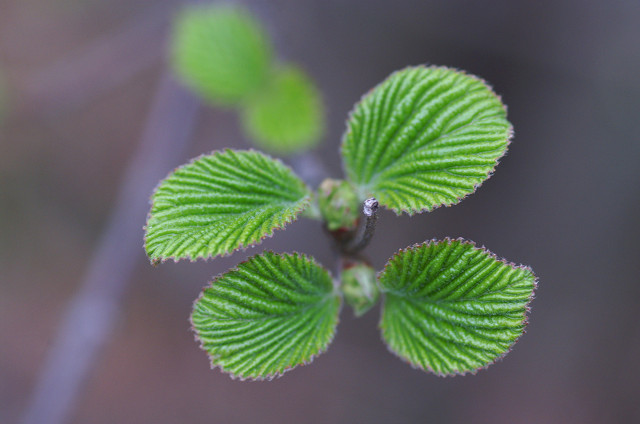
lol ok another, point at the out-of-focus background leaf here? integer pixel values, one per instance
(565, 200)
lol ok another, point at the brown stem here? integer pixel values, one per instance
(366, 227)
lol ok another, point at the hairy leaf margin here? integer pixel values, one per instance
(526, 308)
(230, 288)
(360, 157)
(287, 214)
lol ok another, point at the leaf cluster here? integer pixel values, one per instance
(424, 137)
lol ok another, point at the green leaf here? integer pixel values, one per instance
(452, 308)
(268, 315)
(221, 202)
(221, 52)
(287, 115)
(423, 138)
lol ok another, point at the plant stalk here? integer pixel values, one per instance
(366, 227)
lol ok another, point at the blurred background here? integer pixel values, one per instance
(86, 83)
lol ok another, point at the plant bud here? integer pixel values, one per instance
(338, 204)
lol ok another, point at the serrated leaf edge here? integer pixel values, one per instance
(298, 210)
(525, 319)
(412, 211)
(270, 377)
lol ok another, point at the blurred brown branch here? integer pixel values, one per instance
(91, 314)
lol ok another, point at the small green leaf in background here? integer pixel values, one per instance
(268, 315)
(221, 52)
(221, 202)
(287, 115)
(423, 138)
(451, 307)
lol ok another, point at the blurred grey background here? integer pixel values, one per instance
(81, 76)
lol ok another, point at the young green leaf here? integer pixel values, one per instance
(221, 52)
(423, 138)
(452, 308)
(221, 202)
(268, 315)
(287, 115)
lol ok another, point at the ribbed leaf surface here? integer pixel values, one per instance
(268, 315)
(287, 115)
(221, 202)
(423, 138)
(221, 52)
(452, 308)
